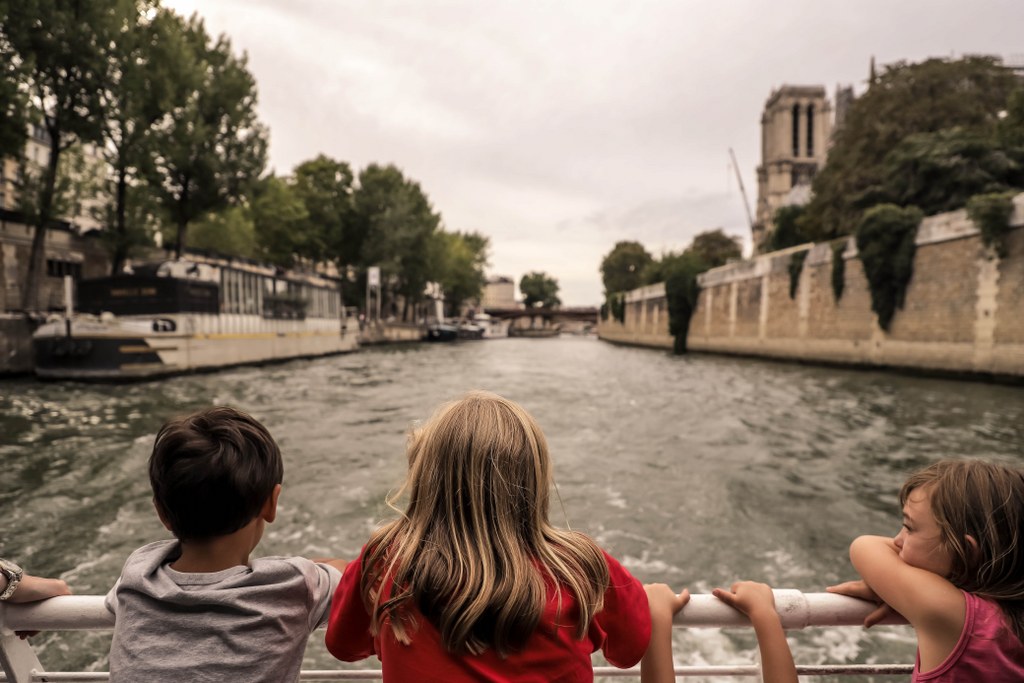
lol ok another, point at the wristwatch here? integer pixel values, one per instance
(13, 573)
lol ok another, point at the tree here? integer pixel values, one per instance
(280, 222)
(905, 100)
(788, 229)
(460, 259)
(621, 268)
(59, 46)
(324, 186)
(394, 221)
(210, 149)
(142, 62)
(229, 232)
(715, 248)
(539, 289)
(13, 102)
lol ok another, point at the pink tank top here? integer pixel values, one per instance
(987, 652)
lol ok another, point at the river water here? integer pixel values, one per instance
(694, 470)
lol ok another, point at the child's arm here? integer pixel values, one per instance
(656, 665)
(859, 589)
(757, 601)
(334, 562)
(933, 606)
(32, 588)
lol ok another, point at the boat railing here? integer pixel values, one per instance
(797, 610)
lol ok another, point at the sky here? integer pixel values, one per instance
(559, 128)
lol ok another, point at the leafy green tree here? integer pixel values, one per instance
(904, 100)
(209, 151)
(539, 290)
(715, 248)
(280, 222)
(394, 222)
(460, 261)
(324, 186)
(681, 292)
(142, 62)
(621, 268)
(229, 232)
(13, 102)
(59, 46)
(789, 229)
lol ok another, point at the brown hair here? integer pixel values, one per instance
(474, 550)
(985, 501)
(212, 471)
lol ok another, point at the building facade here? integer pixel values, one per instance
(499, 292)
(796, 128)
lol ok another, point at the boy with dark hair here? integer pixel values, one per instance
(196, 608)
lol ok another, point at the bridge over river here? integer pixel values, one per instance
(693, 470)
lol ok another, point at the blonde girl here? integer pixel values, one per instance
(472, 583)
(955, 571)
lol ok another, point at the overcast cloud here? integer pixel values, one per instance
(559, 128)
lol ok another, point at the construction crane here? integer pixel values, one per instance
(743, 191)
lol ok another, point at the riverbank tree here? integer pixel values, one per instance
(210, 149)
(56, 50)
(926, 135)
(539, 290)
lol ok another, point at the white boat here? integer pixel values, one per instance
(191, 315)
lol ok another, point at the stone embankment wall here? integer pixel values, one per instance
(646, 320)
(964, 308)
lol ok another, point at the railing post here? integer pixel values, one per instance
(17, 658)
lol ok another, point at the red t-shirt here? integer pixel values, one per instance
(552, 654)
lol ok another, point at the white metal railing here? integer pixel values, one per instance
(797, 610)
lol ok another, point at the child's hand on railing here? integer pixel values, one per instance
(747, 597)
(859, 589)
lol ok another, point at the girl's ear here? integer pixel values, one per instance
(972, 546)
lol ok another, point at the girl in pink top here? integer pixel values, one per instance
(955, 571)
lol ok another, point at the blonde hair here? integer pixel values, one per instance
(474, 550)
(985, 501)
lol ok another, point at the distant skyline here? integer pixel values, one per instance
(558, 129)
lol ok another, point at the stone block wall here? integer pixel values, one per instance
(963, 313)
(964, 308)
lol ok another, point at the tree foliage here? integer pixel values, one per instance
(622, 267)
(875, 148)
(324, 186)
(714, 248)
(279, 219)
(991, 213)
(460, 259)
(681, 292)
(141, 62)
(394, 223)
(539, 290)
(885, 242)
(210, 149)
(789, 230)
(229, 232)
(58, 47)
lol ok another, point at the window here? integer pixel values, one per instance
(810, 130)
(60, 268)
(796, 130)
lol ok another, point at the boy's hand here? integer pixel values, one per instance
(747, 597)
(859, 589)
(664, 602)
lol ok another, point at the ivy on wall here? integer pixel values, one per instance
(991, 213)
(885, 240)
(796, 266)
(838, 268)
(681, 291)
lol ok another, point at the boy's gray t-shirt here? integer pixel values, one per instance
(247, 623)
